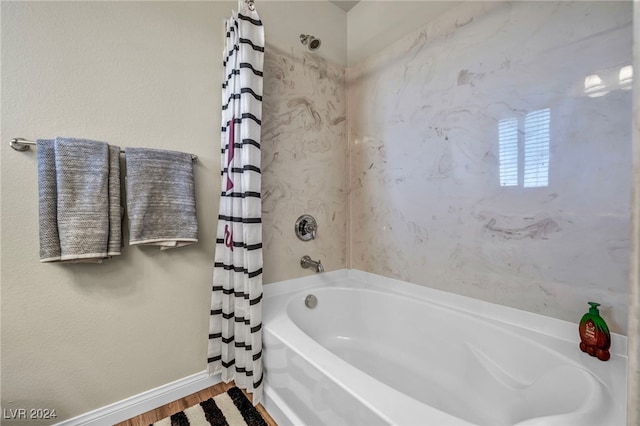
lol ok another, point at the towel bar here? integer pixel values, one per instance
(22, 144)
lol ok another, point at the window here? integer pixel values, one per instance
(525, 159)
(508, 137)
(536, 149)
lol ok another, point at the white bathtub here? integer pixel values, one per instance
(381, 351)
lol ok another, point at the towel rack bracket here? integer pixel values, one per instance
(19, 144)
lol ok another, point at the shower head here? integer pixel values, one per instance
(310, 41)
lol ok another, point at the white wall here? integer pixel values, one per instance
(78, 337)
(286, 20)
(427, 205)
(374, 25)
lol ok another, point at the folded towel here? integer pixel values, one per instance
(48, 201)
(160, 198)
(79, 193)
(115, 208)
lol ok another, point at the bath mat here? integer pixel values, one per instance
(230, 408)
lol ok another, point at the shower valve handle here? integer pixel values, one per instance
(306, 227)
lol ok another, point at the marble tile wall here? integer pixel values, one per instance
(304, 160)
(543, 226)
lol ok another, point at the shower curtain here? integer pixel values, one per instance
(235, 326)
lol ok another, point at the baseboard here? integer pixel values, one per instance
(145, 401)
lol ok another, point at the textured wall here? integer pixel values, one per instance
(304, 160)
(427, 204)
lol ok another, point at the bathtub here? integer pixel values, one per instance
(381, 351)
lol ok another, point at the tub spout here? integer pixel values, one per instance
(306, 262)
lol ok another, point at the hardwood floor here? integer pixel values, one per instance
(160, 413)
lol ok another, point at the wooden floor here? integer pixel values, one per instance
(174, 407)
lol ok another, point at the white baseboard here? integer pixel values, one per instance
(145, 401)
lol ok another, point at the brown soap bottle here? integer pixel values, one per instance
(595, 338)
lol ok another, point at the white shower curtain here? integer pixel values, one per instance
(235, 327)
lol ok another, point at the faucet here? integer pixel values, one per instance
(306, 262)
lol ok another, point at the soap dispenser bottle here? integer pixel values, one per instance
(594, 334)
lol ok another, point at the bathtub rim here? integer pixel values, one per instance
(392, 408)
(535, 322)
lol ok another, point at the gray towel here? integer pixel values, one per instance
(115, 207)
(161, 198)
(79, 194)
(48, 201)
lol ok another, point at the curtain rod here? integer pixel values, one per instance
(22, 144)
